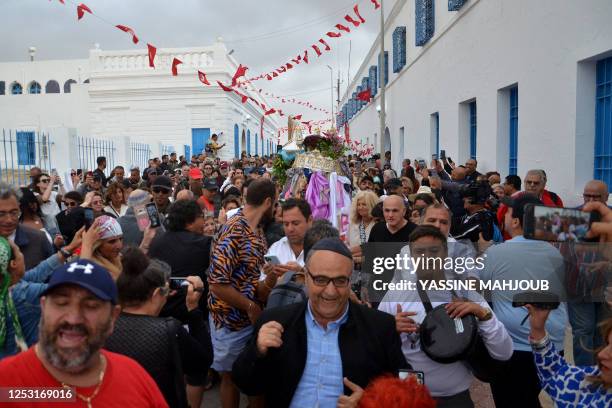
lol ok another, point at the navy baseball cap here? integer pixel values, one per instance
(88, 275)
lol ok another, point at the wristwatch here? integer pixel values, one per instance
(488, 315)
(65, 254)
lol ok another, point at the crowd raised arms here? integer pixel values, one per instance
(151, 287)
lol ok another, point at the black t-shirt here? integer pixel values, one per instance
(380, 233)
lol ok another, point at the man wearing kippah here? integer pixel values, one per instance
(79, 308)
(322, 352)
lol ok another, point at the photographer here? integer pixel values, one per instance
(478, 221)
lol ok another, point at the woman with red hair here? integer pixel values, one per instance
(391, 392)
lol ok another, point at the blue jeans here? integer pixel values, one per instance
(584, 319)
(227, 345)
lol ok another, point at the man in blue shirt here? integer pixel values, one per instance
(520, 259)
(323, 352)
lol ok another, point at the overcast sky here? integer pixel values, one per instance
(263, 33)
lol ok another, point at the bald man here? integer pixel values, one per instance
(185, 195)
(595, 190)
(395, 227)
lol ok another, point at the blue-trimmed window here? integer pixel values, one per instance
(248, 143)
(473, 129)
(16, 88)
(425, 21)
(34, 88)
(68, 85)
(365, 83)
(256, 143)
(360, 103)
(399, 48)
(236, 141)
(187, 153)
(513, 156)
(2, 86)
(603, 122)
(385, 68)
(455, 5)
(374, 79)
(26, 149)
(437, 131)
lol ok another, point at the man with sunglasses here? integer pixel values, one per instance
(68, 224)
(162, 191)
(322, 352)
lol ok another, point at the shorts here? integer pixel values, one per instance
(227, 345)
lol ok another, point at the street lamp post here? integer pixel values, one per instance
(331, 75)
(382, 70)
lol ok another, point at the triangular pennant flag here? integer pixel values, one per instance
(202, 78)
(331, 34)
(317, 50)
(274, 74)
(376, 4)
(152, 52)
(327, 47)
(352, 20)
(356, 9)
(298, 117)
(289, 66)
(128, 30)
(270, 112)
(240, 72)
(343, 28)
(268, 77)
(225, 88)
(81, 9)
(364, 95)
(175, 63)
(243, 98)
(305, 58)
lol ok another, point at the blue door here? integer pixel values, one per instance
(188, 153)
(256, 146)
(248, 146)
(236, 142)
(26, 149)
(199, 138)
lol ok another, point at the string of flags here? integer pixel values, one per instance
(239, 78)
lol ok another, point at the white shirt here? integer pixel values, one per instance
(109, 209)
(282, 250)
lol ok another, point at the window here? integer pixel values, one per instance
(256, 143)
(374, 79)
(248, 143)
(425, 21)
(26, 149)
(236, 141)
(34, 88)
(603, 122)
(399, 49)
(52, 87)
(454, 5)
(435, 132)
(513, 156)
(68, 85)
(360, 103)
(385, 67)
(2, 86)
(187, 153)
(16, 88)
(473, 130)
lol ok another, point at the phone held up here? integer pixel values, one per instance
(180, 283)
(418, 375)
(89, 217)
(557, 224)
(153, 214)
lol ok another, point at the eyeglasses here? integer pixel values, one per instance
(14, 214)
(323, 281)
(532, 183)
(44, 180)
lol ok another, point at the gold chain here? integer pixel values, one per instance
(95, 393)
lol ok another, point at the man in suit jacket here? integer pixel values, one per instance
(33, 244)
(322, 352)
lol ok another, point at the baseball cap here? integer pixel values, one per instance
(88, 275)
(195, 174)
(163, 182)
(210, 184)
(223, 165)
(518, 204)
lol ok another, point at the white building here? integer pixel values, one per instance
(114, 104)
(518, 84)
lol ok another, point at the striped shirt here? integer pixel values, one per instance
(236, 259)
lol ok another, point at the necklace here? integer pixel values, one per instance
(95, 393)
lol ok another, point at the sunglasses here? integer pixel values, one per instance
(71, 203)
(45, 180)
(160, 190)
(73, 174)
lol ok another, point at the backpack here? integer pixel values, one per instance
(287, 291)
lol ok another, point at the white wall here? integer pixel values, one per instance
(485, 47)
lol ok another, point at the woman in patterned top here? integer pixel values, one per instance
(571, 386)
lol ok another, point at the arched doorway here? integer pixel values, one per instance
(248, 145)
(243, 142)
(236, 141)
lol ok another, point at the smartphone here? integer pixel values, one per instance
(422, 164)
(539, 300)
(434, 157)
(442, 154)
(557, 224)
(272, 259)
(419, 375)
(153, 215)
(179, 283)
(79, 172)
(89, 217)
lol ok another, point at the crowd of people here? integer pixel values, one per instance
(146, 287)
